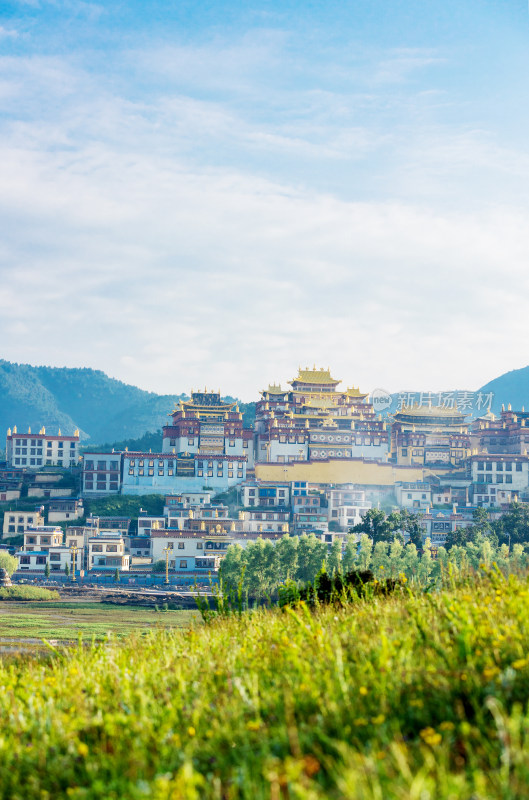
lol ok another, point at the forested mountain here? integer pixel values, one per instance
(107, 410)
(104, 409)
(511, 387)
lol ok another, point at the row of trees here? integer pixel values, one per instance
(262, 566)
(377, 543)
(511, 528)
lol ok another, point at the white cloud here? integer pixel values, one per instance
(178, 239)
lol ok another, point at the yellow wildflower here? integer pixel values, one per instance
(431, 737)
(490, 672)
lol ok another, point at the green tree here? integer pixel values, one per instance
(513, 526)
(8, 562)
(47, 570)
(287, 556)
(380, 560)
(410, 560)
(395, 558)
(410, 524)
(486, 551)
(311, 555)
(376, 525)
(159, 566)
(334, 558)
(425, 565)
(518, 558)
(459, 538)
(351, 549)
(440, 564)
(67, 569)
(231, 566)
(261, 572)
(116, 575)
(364, 552)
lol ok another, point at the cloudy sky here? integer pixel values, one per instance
(212, 193)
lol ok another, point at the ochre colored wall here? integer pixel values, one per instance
(340, 471)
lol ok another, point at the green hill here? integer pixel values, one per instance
(104, 409)
(511, 387)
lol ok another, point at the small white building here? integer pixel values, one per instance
(507, 471)
(146, 524)
(107, 553)
(63, 510)
(416, 495)
(17, 522)
(187, 499)
(259, 493)
(32, 561)
(271, 520)
(42, 538)
(60, 558)
(37, 450)
(101, 474)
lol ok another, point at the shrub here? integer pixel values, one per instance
(8, 562)
(27, 593)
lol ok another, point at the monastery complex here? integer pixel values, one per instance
(309, 431)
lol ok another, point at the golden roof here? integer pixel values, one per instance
(320, 402)
(274, 389)
(428, 411)
(354, 391)
(314, 376)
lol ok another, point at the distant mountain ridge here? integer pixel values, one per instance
(107, 410)
(104, 409)
(511, 387)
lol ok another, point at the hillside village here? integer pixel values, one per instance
(314, 462)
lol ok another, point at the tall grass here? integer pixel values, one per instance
(416, 695)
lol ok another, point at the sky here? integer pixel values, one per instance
(215, 193)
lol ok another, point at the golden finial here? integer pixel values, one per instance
(9, 431)
(29, 431)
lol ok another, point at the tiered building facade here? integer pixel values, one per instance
(314, 421)
(206, 445)
(436, 438)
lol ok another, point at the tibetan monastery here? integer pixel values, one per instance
(205, 445)
(207, 426)
(430, 436)
(313, 420)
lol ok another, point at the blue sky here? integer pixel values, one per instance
(214, 193)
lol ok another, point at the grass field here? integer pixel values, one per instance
(65, 621)
(417, 697)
